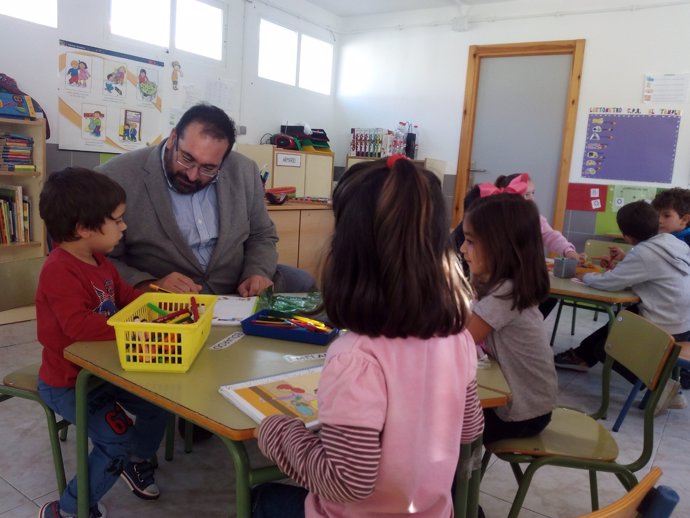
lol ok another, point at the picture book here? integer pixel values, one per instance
(290, 393)
(230, 310)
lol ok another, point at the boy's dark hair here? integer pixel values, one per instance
(638, 220)
(507, 230)
(390, 268)
(676, 198)
(215, 123)
(77, 196)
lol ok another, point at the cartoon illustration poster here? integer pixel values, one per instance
(109, 102)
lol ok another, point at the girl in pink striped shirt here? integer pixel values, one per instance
(398, 391)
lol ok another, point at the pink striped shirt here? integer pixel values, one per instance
(394, 412)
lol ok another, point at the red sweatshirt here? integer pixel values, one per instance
(74, 300)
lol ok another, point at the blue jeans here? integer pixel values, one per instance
(289, 279)
(113, 434)
(275, 500)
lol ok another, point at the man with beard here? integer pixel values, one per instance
(196, 216)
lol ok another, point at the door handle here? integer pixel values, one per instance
(477, 170)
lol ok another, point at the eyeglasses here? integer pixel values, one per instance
(188, 162)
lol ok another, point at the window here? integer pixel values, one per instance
(199, 28)
(199, 24)
(147, 21)
(315, 64)
(278, 53)
(37, 11)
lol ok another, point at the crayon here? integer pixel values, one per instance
(172, 315)
(155, 308)
(158, 288)
(195, 309)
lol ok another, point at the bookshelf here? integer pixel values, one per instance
(20, 261)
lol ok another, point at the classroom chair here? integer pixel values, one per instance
(594, 248)
(682, 362)
(642, 501)
(23, 383)
(577, 440)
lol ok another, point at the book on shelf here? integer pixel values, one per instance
(13, 195)
(291, 393)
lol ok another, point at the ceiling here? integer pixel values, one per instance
(364, 7)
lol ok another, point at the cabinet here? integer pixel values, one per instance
(310, 173)
(20, 262)
(304, 231)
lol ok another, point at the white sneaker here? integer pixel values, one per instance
(678, 402)
(670, 391)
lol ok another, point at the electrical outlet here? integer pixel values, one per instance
(242, 130)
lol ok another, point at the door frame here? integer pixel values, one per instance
(575, 48)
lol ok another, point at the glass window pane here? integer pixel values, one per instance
(147, 21)
(315, 65)
(199, 28)
(37, 11)
(277, 53)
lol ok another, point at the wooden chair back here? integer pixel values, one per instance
(640, 346)
(19, 280)
(599, 248)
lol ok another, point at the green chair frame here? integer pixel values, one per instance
(23, 384)
(576, 440)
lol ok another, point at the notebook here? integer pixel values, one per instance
(291, 393)
(230, 310)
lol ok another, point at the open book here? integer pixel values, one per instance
(291, 393)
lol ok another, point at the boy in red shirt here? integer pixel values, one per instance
(78, 290)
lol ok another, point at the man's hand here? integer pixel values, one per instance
(177, 283)
(253, 285)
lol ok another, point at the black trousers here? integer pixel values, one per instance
(496, 428)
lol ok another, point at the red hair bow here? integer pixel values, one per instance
(517, 185)
(390, 162)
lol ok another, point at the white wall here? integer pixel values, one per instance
(414, 68)
(259, 104)
(268, 104)
(405, 67)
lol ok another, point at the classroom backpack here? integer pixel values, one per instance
(9, 85)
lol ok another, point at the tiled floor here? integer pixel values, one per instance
(201, 484)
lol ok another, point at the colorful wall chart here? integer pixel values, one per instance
(632, 147)
(109, 102)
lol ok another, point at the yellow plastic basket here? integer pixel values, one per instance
(146, 346)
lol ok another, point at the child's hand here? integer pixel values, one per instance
(580, 258)
(580, 275)
(617, 254)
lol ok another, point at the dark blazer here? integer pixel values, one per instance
(153, 245)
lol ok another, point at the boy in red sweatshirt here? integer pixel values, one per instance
(78, 290)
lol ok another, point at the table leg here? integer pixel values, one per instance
(246, 477)
(82, 393)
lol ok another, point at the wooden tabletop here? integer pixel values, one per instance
(570, 288)
(194, 394)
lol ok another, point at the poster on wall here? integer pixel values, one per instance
(630, 146)
(109, 102)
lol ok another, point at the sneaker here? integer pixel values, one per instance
(52, 510)
(569, 360)
(678, 402)
(685, 378)
(139, 477)
(669, 393)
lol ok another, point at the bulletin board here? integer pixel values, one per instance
(632, 147)
(109, 101)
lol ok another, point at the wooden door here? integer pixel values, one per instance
(558, 189)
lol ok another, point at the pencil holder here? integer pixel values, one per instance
(564, 267)
(147, 346)
(253, 326)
